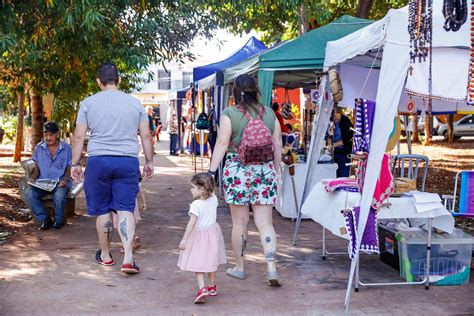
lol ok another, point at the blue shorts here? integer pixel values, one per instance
(111, 184)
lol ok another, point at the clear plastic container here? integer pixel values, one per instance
(450, 261)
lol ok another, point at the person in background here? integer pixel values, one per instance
(173, 132)
(52, 159)
(182, 139)
(342, 142)
(284, 128)
(151, 125)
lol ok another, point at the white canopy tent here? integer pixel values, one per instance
(385, 44)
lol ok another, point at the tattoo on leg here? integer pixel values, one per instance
(268, 239)
(270, 256)
(123, 229)
(109, 228)
(244, 245)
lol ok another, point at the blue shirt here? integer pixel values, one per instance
(337, 134)
(53, 167)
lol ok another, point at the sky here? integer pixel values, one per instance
(209, 51)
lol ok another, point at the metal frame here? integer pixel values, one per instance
(413, 166)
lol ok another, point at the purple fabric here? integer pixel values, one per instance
(369, 242)
(348, 189)
(365, 112)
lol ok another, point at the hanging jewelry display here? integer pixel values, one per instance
(470, 86)
(455, 13)
(420, 13)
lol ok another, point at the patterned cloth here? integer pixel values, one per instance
(249, 184)
(340, 184)
(385, 183)
(365, 112)
(369, 242)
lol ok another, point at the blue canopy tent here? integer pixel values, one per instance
(251, 48)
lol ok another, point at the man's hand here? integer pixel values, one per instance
(32, 179)
(62, 183)
(182, 244)
(76, 173)
(148, 170)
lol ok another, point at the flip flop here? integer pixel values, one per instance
(236, 274)
(102, 262)
(273, 279)
(129, 268)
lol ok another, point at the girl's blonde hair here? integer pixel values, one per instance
(204, 181)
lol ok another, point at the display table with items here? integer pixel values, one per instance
(286, 200)
(412, 250)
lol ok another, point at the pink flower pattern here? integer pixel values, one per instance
(249, 184)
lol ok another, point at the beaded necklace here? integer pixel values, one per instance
(470, 86)
(420, 29)
(455, 13)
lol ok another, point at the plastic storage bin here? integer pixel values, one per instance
(450, 261)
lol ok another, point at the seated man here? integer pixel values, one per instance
(52, 161)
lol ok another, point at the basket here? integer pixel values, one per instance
(403, 185)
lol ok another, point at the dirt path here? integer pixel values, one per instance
(54, 272)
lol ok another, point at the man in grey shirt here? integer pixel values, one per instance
(112, 171)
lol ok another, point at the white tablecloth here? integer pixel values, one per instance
(325, 209)
(286, 201)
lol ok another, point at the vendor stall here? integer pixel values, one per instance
(386, 43)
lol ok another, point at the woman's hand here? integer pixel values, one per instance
(182, 244)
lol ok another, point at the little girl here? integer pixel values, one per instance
(202, 247)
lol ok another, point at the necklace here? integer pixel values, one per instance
(455, 13)
(470, 84)
(420, 13)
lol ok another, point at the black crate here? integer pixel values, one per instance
(388, 247)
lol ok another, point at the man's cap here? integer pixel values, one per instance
(51, 127)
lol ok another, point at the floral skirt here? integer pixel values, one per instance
(249, 184)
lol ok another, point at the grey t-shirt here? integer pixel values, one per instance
(112, 118)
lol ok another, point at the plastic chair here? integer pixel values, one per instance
(466, 195)
(413, 161)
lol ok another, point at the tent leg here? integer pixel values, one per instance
(324, 243)
(428, 256)
(297, 227)
(356, 283)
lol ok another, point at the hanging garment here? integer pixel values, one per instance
(385, 184)
(364, 113)
(369, 242)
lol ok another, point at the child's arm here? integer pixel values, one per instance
(189, 229)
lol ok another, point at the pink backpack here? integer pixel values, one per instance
(256, 146)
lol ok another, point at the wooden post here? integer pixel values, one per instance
(20, 94)
(450, 129)
(414, 119)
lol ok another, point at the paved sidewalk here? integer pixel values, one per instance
(54, 272)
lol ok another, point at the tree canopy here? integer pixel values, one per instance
(56, 46)
(281, 19)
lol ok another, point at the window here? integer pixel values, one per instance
(164, 80)
(187, 78)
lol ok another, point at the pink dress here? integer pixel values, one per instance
(205, 248)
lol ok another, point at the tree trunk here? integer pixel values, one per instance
(36, 118)
(450, 128)
(304, 25)
(415, 138)
(428, 118)
(363, 8)
(19, 128)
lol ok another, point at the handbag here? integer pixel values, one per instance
(286, 107)
(202, 121)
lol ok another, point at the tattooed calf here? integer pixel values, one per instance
(244, 245)
(123, 229)
(270, 256)
(108, 229)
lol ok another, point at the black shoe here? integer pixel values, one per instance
(45, 225)
(57, 225)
